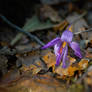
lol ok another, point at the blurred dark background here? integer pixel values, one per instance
(18, 10)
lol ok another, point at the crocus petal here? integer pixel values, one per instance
(57, 48)
(59, 57)
(65, 57)
(75, 46)
(67, 36)
(51, 43)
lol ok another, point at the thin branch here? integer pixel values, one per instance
(84, 75)
(74, 21)
(90, 29)
(21, 30)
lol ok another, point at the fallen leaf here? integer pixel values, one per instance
(66, 72)
(60, 26)
(30, 62)
(49, 59)
(33, 69)
(71, 60)
(83, 64)
(70, 71)
(47, 12)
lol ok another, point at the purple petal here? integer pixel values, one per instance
(59, 55)
(75, 46)
(57, 48)
(67, 36)
(51, 43)
(58, 59)
(65, 57)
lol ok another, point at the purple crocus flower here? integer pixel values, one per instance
(61, 46)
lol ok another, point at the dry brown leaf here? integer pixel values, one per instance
(71, 60)
(61, 26)
(31, 62)
(83, 64)
(49, 59)
(48, 12)
(33, 69)
(71, 70)
(66, 72)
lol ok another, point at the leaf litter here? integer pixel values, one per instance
(31, 69)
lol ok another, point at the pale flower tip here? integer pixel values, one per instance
(44, 47)
(56, 65)
(80, 56)
(64, 66)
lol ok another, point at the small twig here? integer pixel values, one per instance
(84, 75)
(21, 30)
(74, 21)
(90, 29)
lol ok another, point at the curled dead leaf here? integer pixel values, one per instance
(66, 72)
(48, 12)
(49, 59)
(61, 26)
(71, 60)
(70, 71)
(33, 68)
(83, 64)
